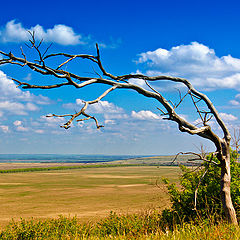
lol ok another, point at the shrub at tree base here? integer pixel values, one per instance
(208, 201)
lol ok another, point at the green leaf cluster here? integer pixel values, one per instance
(208, 195)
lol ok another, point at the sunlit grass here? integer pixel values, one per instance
(146, 225)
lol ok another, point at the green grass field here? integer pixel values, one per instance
(89, 193)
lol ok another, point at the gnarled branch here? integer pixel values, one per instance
(121, 82)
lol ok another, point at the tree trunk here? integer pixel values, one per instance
(225, 188)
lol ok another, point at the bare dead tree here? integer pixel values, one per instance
(168, 111)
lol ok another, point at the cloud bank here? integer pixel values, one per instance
(145, 115)
(196, 62)
(100, 107)
(15, 101)
(236, 100)
(60, 34)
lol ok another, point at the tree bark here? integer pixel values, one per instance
(227, 204)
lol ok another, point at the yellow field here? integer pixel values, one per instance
(87, 193)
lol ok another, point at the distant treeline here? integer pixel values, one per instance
(39, 169)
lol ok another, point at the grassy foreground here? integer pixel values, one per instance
(142, 226)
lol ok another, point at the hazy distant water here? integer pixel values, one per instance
(69, 158)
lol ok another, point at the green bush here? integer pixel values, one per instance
(131, 224)
(61, 228)
(208, 195)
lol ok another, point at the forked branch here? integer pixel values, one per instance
(198, 157)
(82, 111)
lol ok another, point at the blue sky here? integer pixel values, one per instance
(198, 40)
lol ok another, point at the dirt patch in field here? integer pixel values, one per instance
(11, 183)
(131, 185)
(54, 173)
(113, 176)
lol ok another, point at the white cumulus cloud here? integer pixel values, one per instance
(39, 131)
(4, 128)
(8, 89)
(52, 121)
(22, 129)
(105, 106)
(17, 108)
(100, 107)
(31, 107)
(109, 121)
(236, 100)
(145, 115)
(13, 107)
(61, 34)
(17, 123)
(196, 62)
(228, 117)
(17, 101)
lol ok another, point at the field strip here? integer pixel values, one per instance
(40, 169)
(113, 176)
